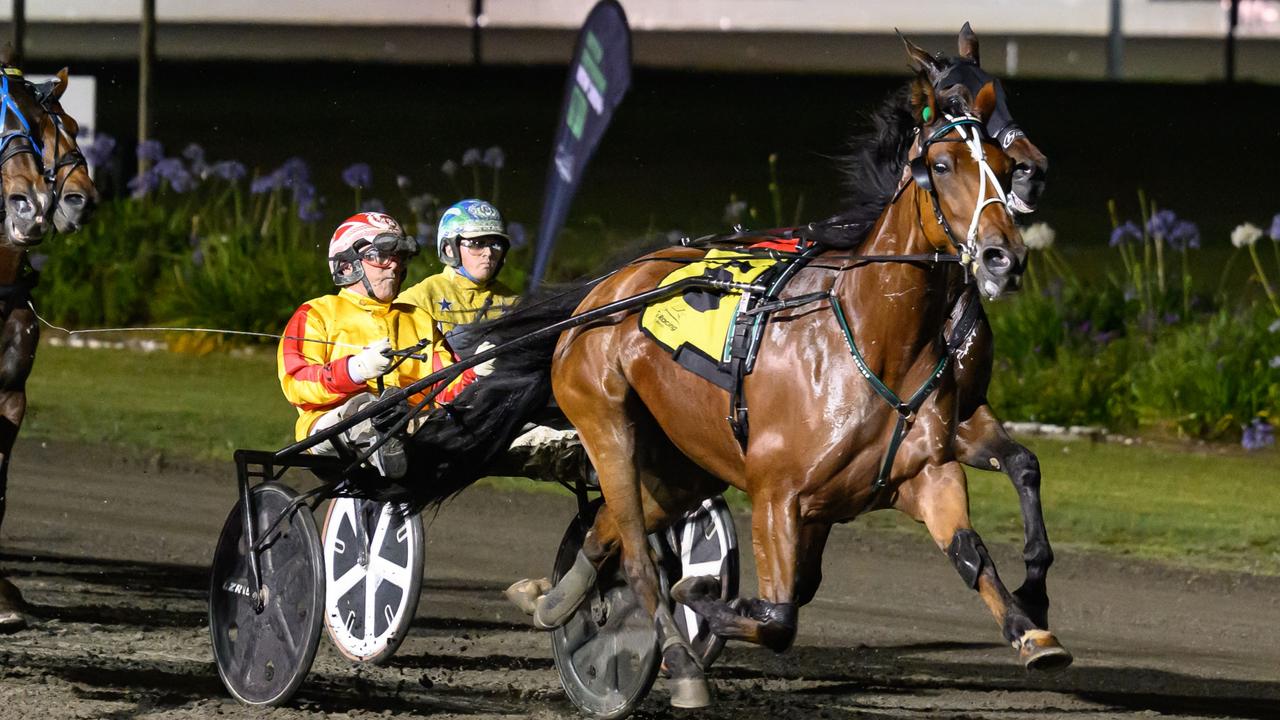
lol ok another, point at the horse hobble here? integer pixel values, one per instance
(825, 445)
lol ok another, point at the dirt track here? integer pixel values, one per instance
(112, 552)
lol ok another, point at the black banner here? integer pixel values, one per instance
(598, 79)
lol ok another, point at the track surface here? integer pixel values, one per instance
(112, 552)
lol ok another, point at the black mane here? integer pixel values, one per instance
(872, 170)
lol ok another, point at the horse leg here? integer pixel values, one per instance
(771, 620)
(813, 539)
(938, 497)
(12, 407)
(982, 442)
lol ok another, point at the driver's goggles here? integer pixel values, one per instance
(381, 257)
(496, 244)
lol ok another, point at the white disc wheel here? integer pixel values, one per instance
(373, 575)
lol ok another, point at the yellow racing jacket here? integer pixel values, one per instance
(456, 302)
(326, 332)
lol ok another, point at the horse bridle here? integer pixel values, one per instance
(972, 134)
(71, 159)
(16, 140)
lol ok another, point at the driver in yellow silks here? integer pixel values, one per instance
(472, 242)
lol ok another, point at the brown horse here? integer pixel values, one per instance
(981, 440)
(40, 139)
(820, 433)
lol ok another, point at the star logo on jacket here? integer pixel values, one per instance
(445, 306)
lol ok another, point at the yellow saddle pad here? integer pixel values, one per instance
(695, 326)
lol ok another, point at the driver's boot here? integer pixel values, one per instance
(12, 606)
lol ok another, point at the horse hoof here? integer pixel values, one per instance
(524, 594)
(690, 693)
(699, 587)
(559, 603)
(1041, 652)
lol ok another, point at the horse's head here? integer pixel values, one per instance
(1030, 164)
(26, 197)
(74, 194)
(963, 173)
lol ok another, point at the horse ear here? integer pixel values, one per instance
(924, 102)
(920, 60)
(985, 103)
(61, 87)
(969, 44)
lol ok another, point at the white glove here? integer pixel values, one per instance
(371, 362)
(485, 367)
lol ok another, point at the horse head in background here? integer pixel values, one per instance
(67, 173)
(965, 71)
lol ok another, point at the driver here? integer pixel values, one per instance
(472, 242)
(335, 353)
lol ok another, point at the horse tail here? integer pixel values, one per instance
(458, 443)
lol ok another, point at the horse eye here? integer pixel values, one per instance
(941, 168)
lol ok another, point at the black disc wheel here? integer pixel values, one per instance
(607, 653)
(264, 643)
(373, 576)
(703, 542)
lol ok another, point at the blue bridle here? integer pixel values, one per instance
(9, 109)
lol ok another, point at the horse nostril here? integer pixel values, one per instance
(20, 205)
(997, 260)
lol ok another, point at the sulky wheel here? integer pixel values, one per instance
(263, 650)
(373, 576)
(703, 542)
(607, 653)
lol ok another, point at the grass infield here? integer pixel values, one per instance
(1207, 506)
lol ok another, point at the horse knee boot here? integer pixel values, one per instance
(555, 607)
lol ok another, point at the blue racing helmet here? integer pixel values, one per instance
(467, 219)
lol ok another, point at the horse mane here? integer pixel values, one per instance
(871, 170)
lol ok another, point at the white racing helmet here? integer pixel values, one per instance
(359, 232)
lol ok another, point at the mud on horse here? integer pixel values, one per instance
(825, 444)
(37, 135)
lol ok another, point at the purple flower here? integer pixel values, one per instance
(229, 170)
(267, 183)
(99, 152)
(172, 171)
(373, 205)
(294, 171)
(308, 203)
(449, 168)
(1122, 234)
(1185, 235)
(404, 183)
(518, 235)
(1162, 223)
(1274, 232)
(358, 176)
(1170, 318)
(150, 150)
(143, 185)
(197, 257)
(425, 238)
(37, 260)
(195, 156)
(471, 157)
(1103, 338)
(1258, 434)
(495, 158)
(1275, 361)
